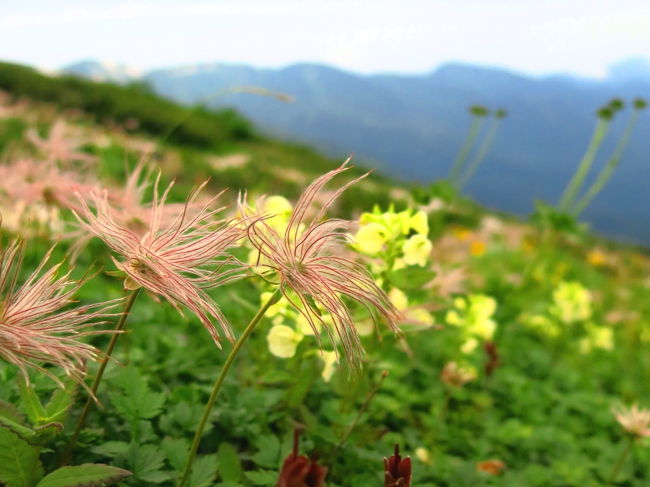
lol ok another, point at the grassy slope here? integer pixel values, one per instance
(545, 412)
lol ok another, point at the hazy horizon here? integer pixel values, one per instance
(532, 37)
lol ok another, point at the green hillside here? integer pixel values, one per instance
(520, 343)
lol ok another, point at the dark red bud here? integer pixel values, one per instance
(300, 471)
(397, 471)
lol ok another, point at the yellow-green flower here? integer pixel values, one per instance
(417, 250)
(474, 316)
(330, 359)
(599, 337)
(542, 324)
(398, 298)
(571, 302)
(283, 341)
(420, 223)
(410, 314)
(278, 209)
(370, 238)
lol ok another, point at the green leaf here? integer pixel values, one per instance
(204, 470)
(87, 475)
(146, 461)
(230, 468)
(9, 411)
(176, 451)
(25, 433)
(136, 401)
(268, 454)
(20, 465)
(263, 477)
(60, 402)
(411, 277)
(31, 403)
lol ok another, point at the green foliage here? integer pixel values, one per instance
(107, 102)
(19, 461)
(88, 475)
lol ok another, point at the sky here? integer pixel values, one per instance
(537, 37)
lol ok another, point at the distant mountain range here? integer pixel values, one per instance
(411, 127)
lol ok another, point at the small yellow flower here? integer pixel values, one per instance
(469, 345)
(398, 298)
(283, 341)
(423, 455)
(542, 324)
(596, 258)
(420, 223)
(278, 308)
(600, 337)
(477, 248)
(420, 316)
(417, 250)
(474, 316)
(303, 326)
(571, 302)
(370, 238)
(278, 208)
(330, 359)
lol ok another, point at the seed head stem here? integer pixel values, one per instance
(219, 382)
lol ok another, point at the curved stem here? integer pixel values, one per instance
(362, 410)
(578, 178)
(483, 150)
(607, 171)
(219, 382)
(98, 377)
(621, 460)
(465, 149)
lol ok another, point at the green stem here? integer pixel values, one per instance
(98, 377)
(465, 149)
(362, 410)
(219, 382)
(487, 142)
(441, 420)
(576, 182)
(607, 171)
(621, 460)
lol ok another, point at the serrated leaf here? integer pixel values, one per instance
(230, 469)
(20, 465)
(204, 470)
(268, 451)
(262, 477)
(146, 461)
(176, 451)
(112, 449)
(86, 475)
(136, 400)
(23, 432)
(9, 411)
(30, 402)
(60, 402)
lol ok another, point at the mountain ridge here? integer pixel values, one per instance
(411, 126)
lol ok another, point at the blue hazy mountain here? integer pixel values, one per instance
(411, 127)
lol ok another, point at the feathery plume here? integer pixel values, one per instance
(176, 260)
(34, 327)
(307, 257)
(634, 420)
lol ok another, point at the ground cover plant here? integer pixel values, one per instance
(295, 334)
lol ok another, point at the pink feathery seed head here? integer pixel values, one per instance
(309, 258)
(33, 181)
(634, 420)
(37, 325)
(175, 260)
(59, 146)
